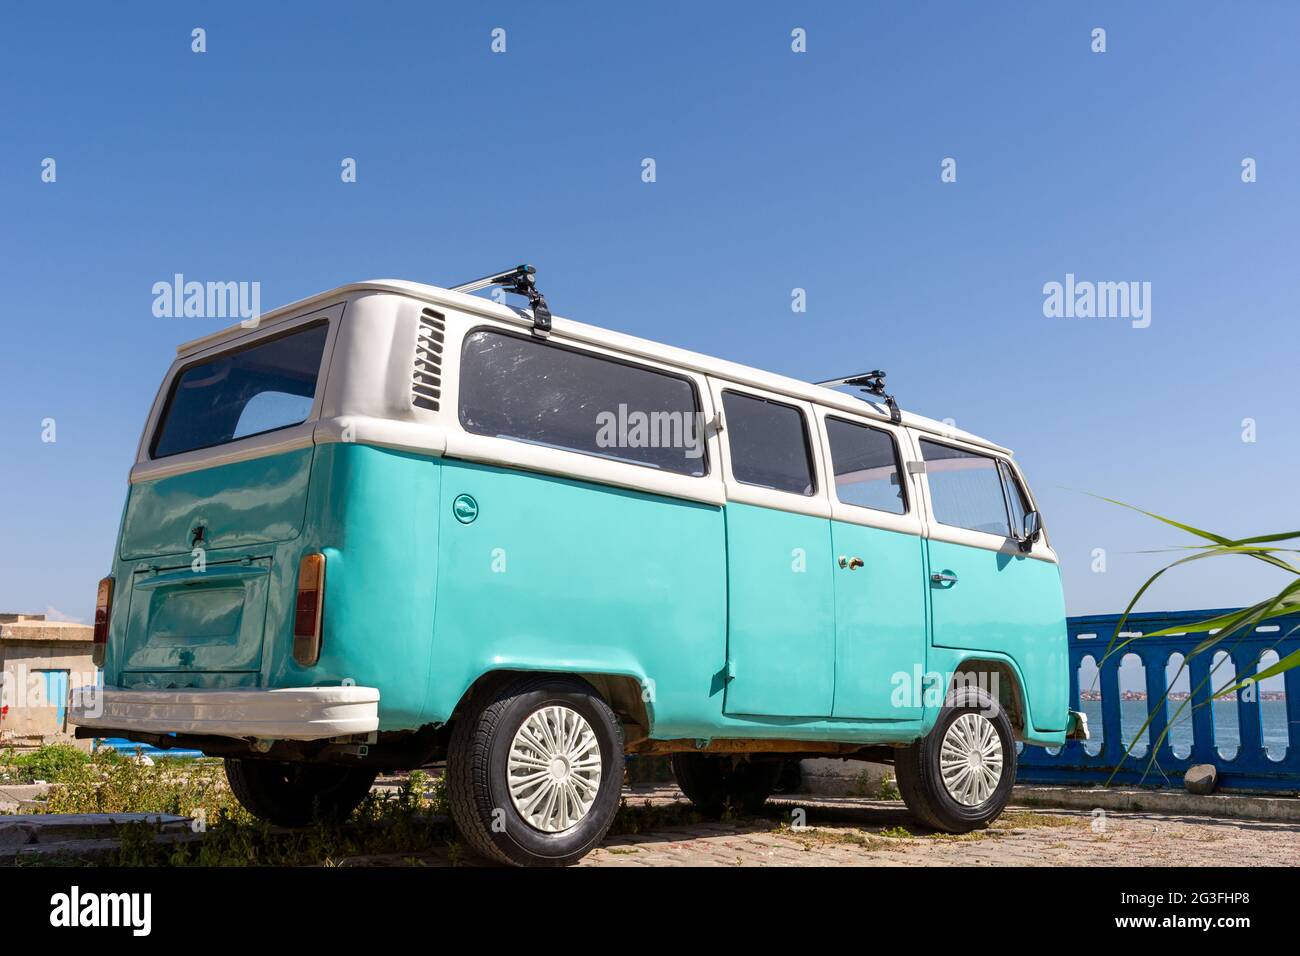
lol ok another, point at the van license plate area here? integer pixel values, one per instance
(210, 620)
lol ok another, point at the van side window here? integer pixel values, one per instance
(865, 461)
(965, 489)
(769, 443)
(1015, 498)
(547, 394)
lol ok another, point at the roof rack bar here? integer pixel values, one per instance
(495, 278)
(872, 383)
(520, 280)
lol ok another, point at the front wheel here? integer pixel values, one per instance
(535, 771)
(959, 777)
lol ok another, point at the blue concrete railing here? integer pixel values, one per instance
(1250, 768)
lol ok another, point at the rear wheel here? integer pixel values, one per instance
(959, 777)
(535, 771)
(713, 782)
(295, 794)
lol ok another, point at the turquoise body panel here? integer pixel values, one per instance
(376, 520)
(781, 629)
(555, 574)
(239, 504)
(880, 618)
(439, 571)
(1011, 607)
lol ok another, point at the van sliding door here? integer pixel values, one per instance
(780, 599)
(880, 617)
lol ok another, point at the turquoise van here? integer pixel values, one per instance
(396, 525)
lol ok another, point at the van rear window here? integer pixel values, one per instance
(248, 391)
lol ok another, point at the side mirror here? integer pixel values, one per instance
(1033, 530)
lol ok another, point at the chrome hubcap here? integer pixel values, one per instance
(554, 768)
(970, 759)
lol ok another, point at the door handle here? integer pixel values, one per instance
(944, 579)
(851, 563)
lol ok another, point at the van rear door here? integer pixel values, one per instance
(225, 479)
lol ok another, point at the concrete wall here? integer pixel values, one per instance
(844, 778)
(40, 660)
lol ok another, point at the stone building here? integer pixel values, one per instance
(39, 661)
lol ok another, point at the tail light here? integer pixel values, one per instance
(103, 608)
(309, 609)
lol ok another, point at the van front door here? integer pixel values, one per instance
(780, 590)
(986, 595)
(880, 633)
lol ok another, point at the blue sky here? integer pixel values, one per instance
(775, 170)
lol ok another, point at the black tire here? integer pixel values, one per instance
(713, 782)
(921, 783)
(295, 794)
(789, 778)
(478, 776)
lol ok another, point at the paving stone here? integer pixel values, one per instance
(843, 832)
(1044, 837)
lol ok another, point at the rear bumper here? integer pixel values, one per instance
(1077, 726)
(289, 713)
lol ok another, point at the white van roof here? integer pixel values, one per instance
(579, 331)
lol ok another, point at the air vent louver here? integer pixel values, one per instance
(426, 378)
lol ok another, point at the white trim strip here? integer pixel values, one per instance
(255, 446)
(384, 432)
(506, 453)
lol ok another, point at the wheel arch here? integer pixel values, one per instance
(1002, 679)
(628, 694)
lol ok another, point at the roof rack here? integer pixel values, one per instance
(521, 281)
(872, 383)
